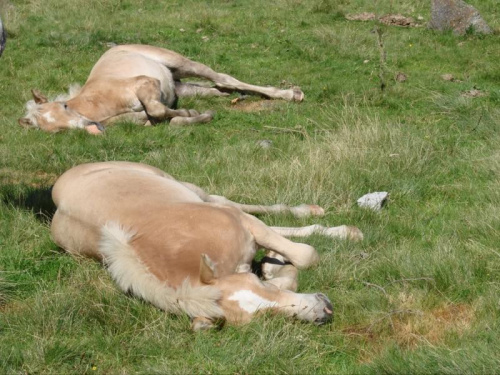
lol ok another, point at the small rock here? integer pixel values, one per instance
(205, 38)
(181, 30)
(374, 201)
(265, 143)
(366, 61)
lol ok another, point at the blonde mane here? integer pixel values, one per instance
(33, 109)
(132, 275)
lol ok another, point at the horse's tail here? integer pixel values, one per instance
(133, 276)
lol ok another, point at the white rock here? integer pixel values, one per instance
(265, 143)
(375, 200)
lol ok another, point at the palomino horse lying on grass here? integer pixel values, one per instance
(170, 243)
(140, 84)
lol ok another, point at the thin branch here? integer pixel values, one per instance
(383, 57)
(374, 286)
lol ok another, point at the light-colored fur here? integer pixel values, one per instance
(181, 249)
(132, 275)
(138, 83)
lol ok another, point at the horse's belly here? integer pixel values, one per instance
(126, 65)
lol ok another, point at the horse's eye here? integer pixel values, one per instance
(65, 106)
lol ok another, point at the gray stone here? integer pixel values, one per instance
(458, 16)
(374, 201)
(265, 143)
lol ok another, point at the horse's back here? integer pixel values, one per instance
(121, 63)
(90, 195)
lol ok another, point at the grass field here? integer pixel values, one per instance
(421, 293)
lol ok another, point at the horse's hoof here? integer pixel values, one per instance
(354, 234)
(298, 95)
(305, 210)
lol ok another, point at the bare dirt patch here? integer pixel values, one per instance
(254, 106)
(432, 327)
(397, 20)
(474, 93)
(387, 19)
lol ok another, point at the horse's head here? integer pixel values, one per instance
(55, 116)
(244, 295)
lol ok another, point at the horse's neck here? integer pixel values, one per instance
(96, 105)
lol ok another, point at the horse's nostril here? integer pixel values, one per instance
(327, 310)
(322, 298)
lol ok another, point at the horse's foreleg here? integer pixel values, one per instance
(139, 118)
(274, 266)
(278, 270)
(300, 255)
(199, 119)
(148, 92)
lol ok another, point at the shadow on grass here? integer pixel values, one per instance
(37, 200)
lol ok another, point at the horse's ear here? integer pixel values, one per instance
(208, 272)
(25, 122)
(39, 97)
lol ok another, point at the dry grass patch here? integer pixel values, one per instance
(255, 106)
(34, 179)
(410, 329)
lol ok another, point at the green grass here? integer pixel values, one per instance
(419, 295)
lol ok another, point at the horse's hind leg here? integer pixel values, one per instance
(342, 232)
(182, 67)
(185, 89)
(304, 210)
(226, 83)
(148, 92)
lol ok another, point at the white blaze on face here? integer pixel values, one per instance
(48, 116)
(251, 302)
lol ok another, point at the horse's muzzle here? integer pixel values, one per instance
(97, 124)
(327, 311)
